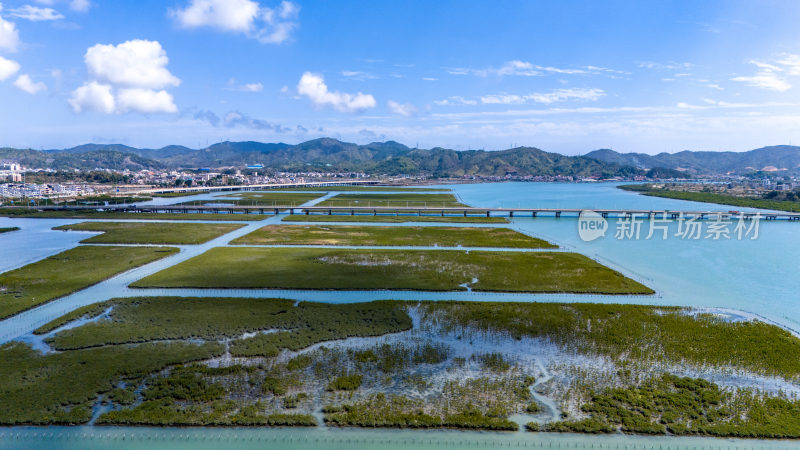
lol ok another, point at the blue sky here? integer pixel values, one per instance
(568, 76)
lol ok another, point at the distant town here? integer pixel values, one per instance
(19, 182)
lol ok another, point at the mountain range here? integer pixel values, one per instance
(393, 158)
(778, 158)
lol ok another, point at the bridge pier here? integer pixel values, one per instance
(306, 212)
(533, 214)
(352, 212)
(558, 214)
(604, 215)
(465, 213)
(330, 212)
(276, 211)
(487, 213)
(511, 214)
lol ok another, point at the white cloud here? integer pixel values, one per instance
(515, 67)
(527, 69)
(665, 66)
(131, 76)
(429, 79)
(356, 75)
(80, 5)
(246, 87)
(455, 100)
(252, 87)
(93, 96)
(9, 35)
(226, 15)
(558, 95)
(75, 5)
(773, 75)
(145, 101)
(313, 86)
(25, 83)
(136, 63)
(403, 109)
(267, 25)
(7, 68)
(765, 80)
(791, 63)
(35, 14)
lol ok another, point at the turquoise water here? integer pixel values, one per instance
(347, 439)
(758, 276)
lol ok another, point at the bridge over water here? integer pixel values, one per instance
(429, 210)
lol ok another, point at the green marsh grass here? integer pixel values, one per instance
(67, 272)
(426, 270)
(265, 199)
(369, 189)
(641, 333)
(61, 387)
(685, 406)
(93, 214)
(391, 219)
(151, 233)
(135, 320)
(394, 200)
(390, 236)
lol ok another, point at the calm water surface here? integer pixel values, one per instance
(757, 276)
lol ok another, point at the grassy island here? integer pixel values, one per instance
(641, 333)
(392, 219)
(427, 270)
(136, 320)
(683, 406)
(368, 189)
(165, 361)
(395, 200)
(261, 199)
(390, 236)
(93, 214)
(8, 229)
(67, 272)
(151, 233)
(60, 388)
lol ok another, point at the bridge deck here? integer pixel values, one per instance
(426, 210)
